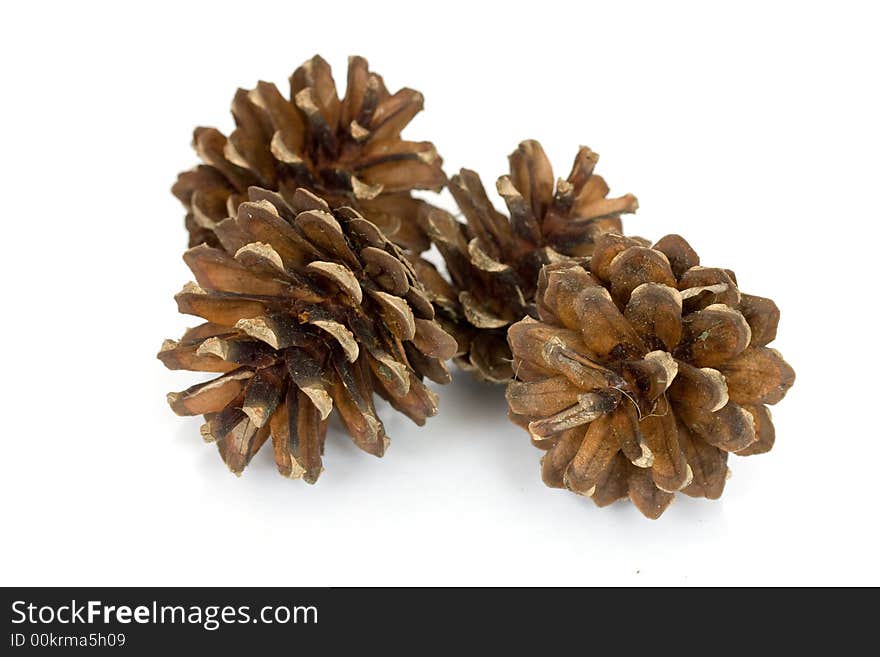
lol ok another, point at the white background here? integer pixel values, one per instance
(752, 130)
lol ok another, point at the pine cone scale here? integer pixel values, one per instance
(708, 465)
(592, 457)
(758, 375)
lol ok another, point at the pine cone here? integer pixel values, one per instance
(349, 152)
(307, 309)
(494, 260)
(643, 372)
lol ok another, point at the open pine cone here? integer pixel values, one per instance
(643, 372)
(494, 260)
(308, 309)
(348, 151)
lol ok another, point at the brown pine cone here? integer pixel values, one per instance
(348, 151)
(643, 372)
(308, 309)
(494, 260)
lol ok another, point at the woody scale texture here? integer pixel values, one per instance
(494, 260)
(308, 309)
(349, 151)
(635, 368)
(643, 372)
